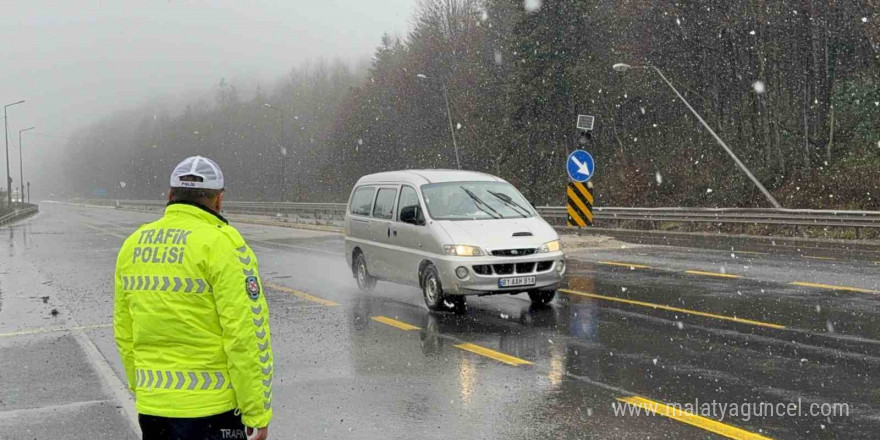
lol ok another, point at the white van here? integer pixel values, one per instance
(452, 233)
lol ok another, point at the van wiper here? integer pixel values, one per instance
(478, 202)
(516, 207)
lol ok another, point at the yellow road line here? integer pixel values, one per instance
(674, 309)
(676, 413)
(394, 323)
(749, 252)
(53, 330)
(818, 258)
(630, 265)
(711, 274)
(498, 356)
(303, 295)
(829, 286)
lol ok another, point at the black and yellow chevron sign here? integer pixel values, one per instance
(580, 205)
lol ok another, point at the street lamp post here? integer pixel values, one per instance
(448, 114)
(6, 135)
(621, 67)
(283, 146)
(20, 162)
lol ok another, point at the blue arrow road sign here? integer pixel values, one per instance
(580, 166)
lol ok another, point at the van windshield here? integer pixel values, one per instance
(475, 201)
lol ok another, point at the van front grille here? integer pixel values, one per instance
(512, 268)
(503, 269)
(483, 269)
(514, 252)
(525, 267)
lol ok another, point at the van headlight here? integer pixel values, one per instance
(463, 250)
(550, 246)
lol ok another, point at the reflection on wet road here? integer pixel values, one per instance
(645, 327)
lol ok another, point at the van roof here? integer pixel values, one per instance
(420, 177)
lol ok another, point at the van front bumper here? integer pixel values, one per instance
(548, 270)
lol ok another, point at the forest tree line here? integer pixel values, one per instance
(793, 86)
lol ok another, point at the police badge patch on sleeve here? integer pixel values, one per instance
(252, 287)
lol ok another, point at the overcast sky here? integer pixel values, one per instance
(75, 61)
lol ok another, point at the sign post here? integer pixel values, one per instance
(580, 167)
(580, 205)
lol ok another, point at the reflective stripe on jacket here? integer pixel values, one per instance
(191, 321)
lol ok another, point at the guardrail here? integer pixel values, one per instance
(755, 216)
(21, 212)
(313, 213)
(333, 213)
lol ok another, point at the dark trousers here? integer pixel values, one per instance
(226, 426)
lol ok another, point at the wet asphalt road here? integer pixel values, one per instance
(668, 325)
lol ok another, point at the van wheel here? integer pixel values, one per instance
(365, 281)
(542, 297)
(432, 289)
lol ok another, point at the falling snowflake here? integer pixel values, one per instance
(678, 21)
(498, 58)
(360, 141)
(458, 126)
(751, 32)
(484, 16)
(759, 87)
(122, 184)
(643, 110)
(864, 19)
(659, 178)
(708, 190)
(532, 5)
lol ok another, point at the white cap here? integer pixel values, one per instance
(207, 169)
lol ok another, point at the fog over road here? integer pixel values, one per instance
(636, 324)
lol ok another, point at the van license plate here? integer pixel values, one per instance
(516, 281)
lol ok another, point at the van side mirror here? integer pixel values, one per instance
(412, 215)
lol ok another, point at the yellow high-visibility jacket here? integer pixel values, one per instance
(191, 320)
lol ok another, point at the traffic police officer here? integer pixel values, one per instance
(190, 319)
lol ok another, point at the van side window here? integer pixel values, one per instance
(384, 207)
(362, 201)
(409, 197)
